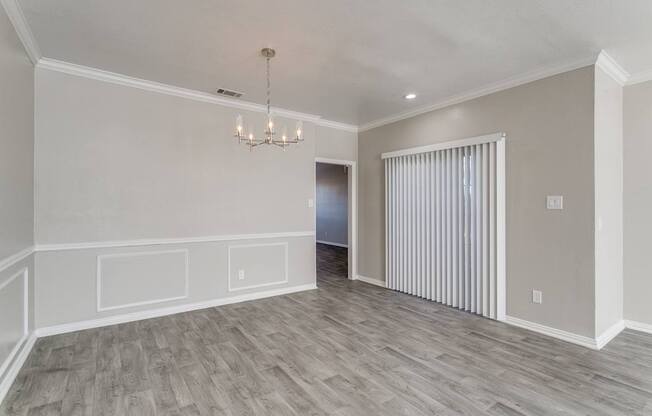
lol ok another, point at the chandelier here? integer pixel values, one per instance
(248, 138)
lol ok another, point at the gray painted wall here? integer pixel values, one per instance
(116, 163)
(16, 187)
(608, 201)
(332, 203)
(336, 144)
(638, 202)
(16, 143)
(549, 150)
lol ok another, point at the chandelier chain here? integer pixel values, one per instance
(269, 89)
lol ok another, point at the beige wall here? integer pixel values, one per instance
(638, 202)
(549, 150)
(608, 202)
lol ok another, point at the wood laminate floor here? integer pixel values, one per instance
(347, 348)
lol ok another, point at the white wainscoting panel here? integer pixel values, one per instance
(141, 278)
(262, 264)
(14, 317)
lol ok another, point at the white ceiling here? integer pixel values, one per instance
(346, 60)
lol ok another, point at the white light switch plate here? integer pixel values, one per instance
(555, 202)
(537, 296)
(241, 274)
(311, 203)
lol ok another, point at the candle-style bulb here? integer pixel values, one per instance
(238, 125)
(299, 130)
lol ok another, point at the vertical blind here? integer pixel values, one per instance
(444, 210)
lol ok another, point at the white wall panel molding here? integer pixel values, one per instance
(14, 360)
(7, 262)
(17, 18)
(101, 259)
(161, 241)
(153, 86)
(154, 313)
(285, 260)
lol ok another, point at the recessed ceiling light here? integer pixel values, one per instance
(410, 96)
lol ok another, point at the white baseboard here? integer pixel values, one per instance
(611, 333)
(16, 364)
(154, 313)
(553, 332)
(330, 243)
(371, 280)
(638, 326)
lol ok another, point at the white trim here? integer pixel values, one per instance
(7, 262)
(335, 161)
(100, 257)
(330, 243)
(480, 92)
(501, 234)
(337, 125)
(159, 241)
(154, 313)
(153, 86)
(9, 368)
(638, 326)
(612, 68)
(286, 265)
(553, 332)
(353, 221)
(488, 138)
(371, 281)
(16, 365)
(609, 334)
(17, 18)
(639, 77)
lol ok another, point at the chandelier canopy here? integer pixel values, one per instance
(249, 138)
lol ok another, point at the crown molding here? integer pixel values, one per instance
(480, 92)
(639, 77)
(337, 125)
(153, 86)
(17, 18)
(612, 68)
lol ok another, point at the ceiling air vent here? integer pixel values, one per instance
(229, 93)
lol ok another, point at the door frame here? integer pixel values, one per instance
(352, 211)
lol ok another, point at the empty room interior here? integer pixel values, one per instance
(419, 207)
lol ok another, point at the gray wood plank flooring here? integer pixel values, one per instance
(348, 348)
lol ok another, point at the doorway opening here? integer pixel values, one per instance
(335, 220)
